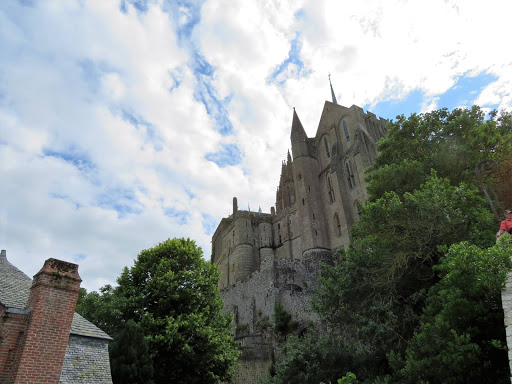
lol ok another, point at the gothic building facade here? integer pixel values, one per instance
(269, 258)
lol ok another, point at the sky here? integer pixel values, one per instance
(127, 122)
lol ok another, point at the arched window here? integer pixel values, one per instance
(345, 128)
(337, 223)
(350, 174)
(327, 147)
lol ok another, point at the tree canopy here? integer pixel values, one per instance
(171, 296)
(416, 296)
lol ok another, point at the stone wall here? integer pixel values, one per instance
(290, 283)
(252, 372)
(506, 299)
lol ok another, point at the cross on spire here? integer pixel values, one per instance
(332, 91)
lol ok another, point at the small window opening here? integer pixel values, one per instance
(345, 128)
(330, 190)
(327, 147)
(313, 216)
(303, 202)
(316, 232)
(350, 174)
(337, 223)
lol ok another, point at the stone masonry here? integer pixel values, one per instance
(506, 300)
(269, 258)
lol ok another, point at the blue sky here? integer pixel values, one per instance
(123, 123)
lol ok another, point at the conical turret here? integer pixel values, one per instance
(298, 132)
(298, 137)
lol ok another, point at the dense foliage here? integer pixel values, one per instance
(171, 297)
(416, 297)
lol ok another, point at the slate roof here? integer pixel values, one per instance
(83, 327)
(15, 290)
(14, 285)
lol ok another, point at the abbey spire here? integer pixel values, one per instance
(332, 91)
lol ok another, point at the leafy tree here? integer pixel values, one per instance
(452, 143)
(283, 323)
(171, 296)
(375, 294)
(424, 198)
(130, 356)
(310, 360)
(102, 308)
(172, 292)
(458, 341)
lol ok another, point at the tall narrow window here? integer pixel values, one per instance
(331, 190)
(350, 174)
(327, 147)
(337, 223)
(345, 128)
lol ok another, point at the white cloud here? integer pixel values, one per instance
(103, 134)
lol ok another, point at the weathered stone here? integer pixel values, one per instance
(266, 259)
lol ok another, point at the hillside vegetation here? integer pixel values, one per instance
(416, 297)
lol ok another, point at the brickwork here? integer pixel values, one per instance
(55, 286)
(39, 328)
(12, 337)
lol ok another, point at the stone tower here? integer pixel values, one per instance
(265, 258)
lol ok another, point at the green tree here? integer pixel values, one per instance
(374, 295)
(311, 359)
(170, 296)
(172, 293)
(130, 356)
(102, 308)
(452, 143)
(424, 198)
(459, 340)
(283, 323)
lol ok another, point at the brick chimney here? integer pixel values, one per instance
(52, 302)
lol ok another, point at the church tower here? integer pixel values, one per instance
(310, 206)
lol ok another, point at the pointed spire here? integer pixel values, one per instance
(332, 91)
(289, 157)
(298, 132)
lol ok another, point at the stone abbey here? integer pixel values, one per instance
(273, 258)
